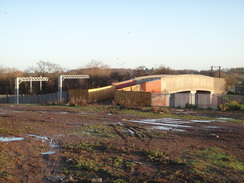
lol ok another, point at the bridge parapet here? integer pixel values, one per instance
(190, 82)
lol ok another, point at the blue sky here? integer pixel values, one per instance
(180, 34)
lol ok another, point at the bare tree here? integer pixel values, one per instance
(97, 68)
(7, 79)
(45, 68)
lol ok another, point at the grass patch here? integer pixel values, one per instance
(3, 163)
(212, 163)
(4, 131)
(99, 130)
(89, 146)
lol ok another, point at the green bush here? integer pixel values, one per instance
(222, 107)
(190, 106)
(234, 106)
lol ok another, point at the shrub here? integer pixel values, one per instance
(222, 107)
(234, 106)
(190, 106)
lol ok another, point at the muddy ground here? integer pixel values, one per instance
(107, 144)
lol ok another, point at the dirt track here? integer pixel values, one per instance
(54, 144)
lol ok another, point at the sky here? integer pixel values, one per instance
(179, 34)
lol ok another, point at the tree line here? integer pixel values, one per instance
(100, 75)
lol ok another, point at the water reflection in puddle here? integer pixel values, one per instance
(48, 152)
(53, 112)
(129, 131)
(52, 144)
(171, 124)
(168, 128)
(39, 137)
(211, 127)
(10, 139)
(201, 121)
(162, 122)
(222, 118)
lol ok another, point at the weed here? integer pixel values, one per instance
(3, 162)
(155, 155)
(119, 181)
(94, 130)
(65, 171)
(4, 131)
(86, 164)
(190, 106)
(212, 161)
(118, 162)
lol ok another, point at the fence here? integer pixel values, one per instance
(128, 98)
(131, 98)
(100, 94)
(202, 100)
(80, 97)
(34, 99)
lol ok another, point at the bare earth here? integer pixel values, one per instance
(72, 144)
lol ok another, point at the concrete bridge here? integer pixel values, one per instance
(181, 83)
(188, 83)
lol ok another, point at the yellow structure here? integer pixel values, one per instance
(80, 97)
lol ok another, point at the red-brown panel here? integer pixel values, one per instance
(125, 84)
(152, 86)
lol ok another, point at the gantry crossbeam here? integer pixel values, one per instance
(19, 80)
(61, 78)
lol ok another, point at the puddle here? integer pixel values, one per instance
(201, 121)
(61, 112)
(162, 122)
(52, 143)
(212, 127)
(225, 118)
(10, 139)
(39, 137)
(52, 146)
(130, 131)
(168, 128)
(64, 112)
(48, 152)
(171, 124)
(120, 124)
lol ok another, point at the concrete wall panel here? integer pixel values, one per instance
(179, 83)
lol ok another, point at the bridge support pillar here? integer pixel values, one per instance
(192, 97)
(211, 100)
(167, 100)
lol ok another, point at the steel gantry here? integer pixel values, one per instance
(19, 80)
(61, 78)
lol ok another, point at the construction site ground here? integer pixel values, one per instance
(108, 144)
